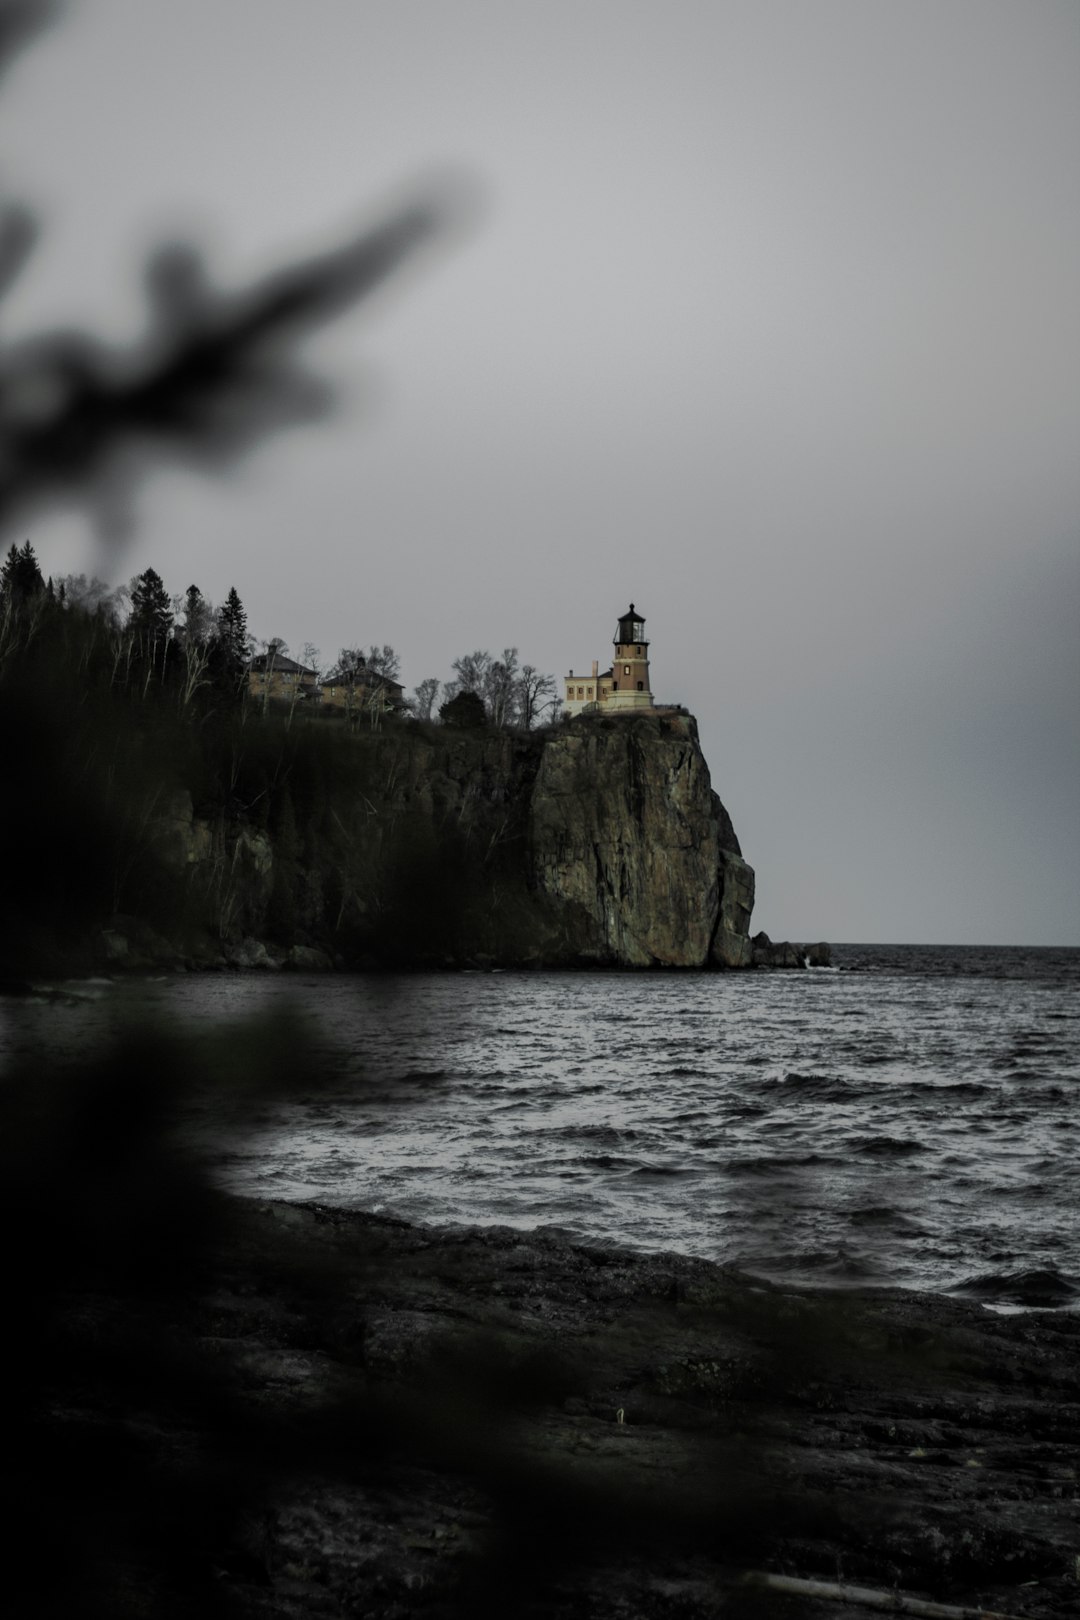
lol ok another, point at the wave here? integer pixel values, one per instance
(886, 1147)
(1044, 1288)
(885, 1215)
(824, 1086)
(664, 1172)
(773, 1162)
(599, 1135)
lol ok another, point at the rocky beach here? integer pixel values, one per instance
(339, 1415)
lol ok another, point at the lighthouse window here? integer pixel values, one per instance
(641, 686)
(639, 631)
(626, 669)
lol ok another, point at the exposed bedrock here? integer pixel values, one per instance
(598, 842)
(629, 840)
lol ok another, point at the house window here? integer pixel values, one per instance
(581, 691)
(589, 692)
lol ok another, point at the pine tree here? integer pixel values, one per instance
(20, 578)
(230, 648)
(232, 629)
(31, 581)
(8, 574)
(151, 618)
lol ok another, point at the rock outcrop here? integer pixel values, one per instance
(767, 953)
(598, 842)
(630, 843)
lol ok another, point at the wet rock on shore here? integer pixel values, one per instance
(484, 1421)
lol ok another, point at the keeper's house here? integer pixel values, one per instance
(272, 675)
(626, 684)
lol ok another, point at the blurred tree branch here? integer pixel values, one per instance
(20, 20)
(217, 370)
(216, 373)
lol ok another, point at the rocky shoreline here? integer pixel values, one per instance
(394, 1420)
(129, 945)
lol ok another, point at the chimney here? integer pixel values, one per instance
(595, 669)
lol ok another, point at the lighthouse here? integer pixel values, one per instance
(625, 686)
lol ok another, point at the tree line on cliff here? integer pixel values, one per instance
(203, 655)
(340, 837)
(117, 705)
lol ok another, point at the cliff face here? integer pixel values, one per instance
(599, 842)
(630, 843)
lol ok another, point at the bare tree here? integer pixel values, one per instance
(384, 662)
(470, 675)
(500, 686)
(512, 694)
(296, 690)
(383, 667)
(193, 626)
(92, 595)
(425, 695)
(198, 615)
(536, 694)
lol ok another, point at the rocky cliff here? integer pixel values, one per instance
(630, 843)
(599, 842)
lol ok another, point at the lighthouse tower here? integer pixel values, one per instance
(630, 671)
(626, 684)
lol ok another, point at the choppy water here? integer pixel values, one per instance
(911, 1119)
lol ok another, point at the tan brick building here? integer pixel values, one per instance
(273, 675)
(626, 684)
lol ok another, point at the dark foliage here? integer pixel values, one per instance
(466, 712)
(20, 578)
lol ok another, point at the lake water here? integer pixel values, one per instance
(912, 1119)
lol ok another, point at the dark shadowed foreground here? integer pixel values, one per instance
(272, 1410)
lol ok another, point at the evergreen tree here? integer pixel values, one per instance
(20, 577)
(151, 618)
(149, 631)
(466, 712)
(8, 574)
(229, 652)
(232, 627)
(198, 615)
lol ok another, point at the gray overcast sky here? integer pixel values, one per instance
(770, 321)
